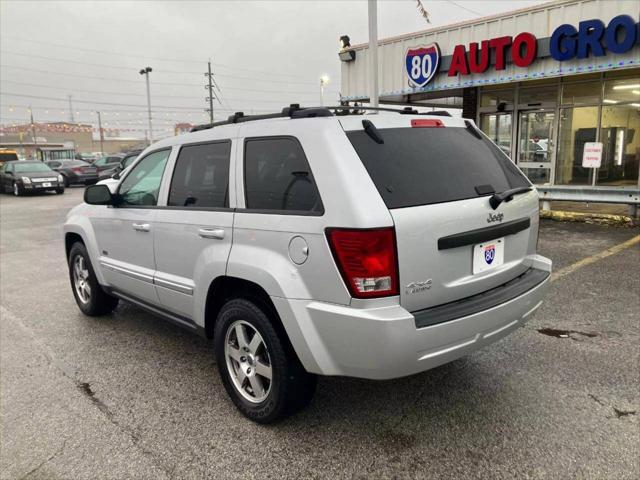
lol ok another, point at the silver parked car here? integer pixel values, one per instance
(314, 242)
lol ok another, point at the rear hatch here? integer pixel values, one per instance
(437, 176)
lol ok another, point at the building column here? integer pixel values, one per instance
(470, 103)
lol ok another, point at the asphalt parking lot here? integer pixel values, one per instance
(129, 396)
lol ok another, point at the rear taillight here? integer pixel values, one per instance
(77, 169)
(367, 260)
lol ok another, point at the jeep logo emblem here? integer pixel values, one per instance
(417, 287)
(495, 218)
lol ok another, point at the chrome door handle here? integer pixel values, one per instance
(217, 233)
(141, 227)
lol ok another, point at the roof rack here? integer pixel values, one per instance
(296, 111)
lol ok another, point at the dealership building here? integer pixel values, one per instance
(543, 83)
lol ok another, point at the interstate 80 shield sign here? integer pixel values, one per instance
(422, 64)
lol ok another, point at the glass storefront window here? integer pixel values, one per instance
(583, 93)
(623, 90)
(535, 136)
(538, 95)
(493, 98)
(577, 126)
(620, 136)
(497, 127)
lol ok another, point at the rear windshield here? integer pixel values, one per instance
(421, 166)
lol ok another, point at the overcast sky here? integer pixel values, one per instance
(266, 54)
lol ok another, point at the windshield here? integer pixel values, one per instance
(421, 166)
(29, 167)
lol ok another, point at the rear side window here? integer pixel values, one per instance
(278, 177)
(421, 166)
(201, 176)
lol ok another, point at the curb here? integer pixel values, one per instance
(597, 218)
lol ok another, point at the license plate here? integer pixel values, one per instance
(46, 184)
(488, 255)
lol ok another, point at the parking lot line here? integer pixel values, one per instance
(594, 258)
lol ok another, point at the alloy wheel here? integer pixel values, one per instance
(81, 279)
(16, 189)
(248, 361)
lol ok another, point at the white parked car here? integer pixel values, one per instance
(308, 243)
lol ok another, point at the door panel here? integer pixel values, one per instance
(194, 231)
(126, 250)
(125, 233)
(192, 247)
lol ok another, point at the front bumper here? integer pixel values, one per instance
(39, 187)
(384, 342)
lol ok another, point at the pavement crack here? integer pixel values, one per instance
(623, 413)
(86, 390)
(554, 332)
(44, 462)
(596, 399)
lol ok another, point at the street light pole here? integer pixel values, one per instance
(373, 53)
(324, 80)
(101, 133)
(145, 71)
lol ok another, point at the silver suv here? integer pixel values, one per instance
(317, 242)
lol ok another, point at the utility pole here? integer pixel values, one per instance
(373, 53)
(209, 87)
(146, 71)
(71, 119)
(101, 134)
(33, 133)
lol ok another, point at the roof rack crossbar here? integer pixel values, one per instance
(296, 111)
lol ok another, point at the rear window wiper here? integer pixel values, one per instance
(371, 130)
(497, 198)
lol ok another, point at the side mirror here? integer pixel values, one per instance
(116, 176)
(98, 195)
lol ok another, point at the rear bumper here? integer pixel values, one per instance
(384, 342)
(82, 178)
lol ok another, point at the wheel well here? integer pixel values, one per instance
(225, 288)
(69, 240)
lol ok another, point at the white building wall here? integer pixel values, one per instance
(540, 21)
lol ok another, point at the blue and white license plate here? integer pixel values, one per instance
(488, 255)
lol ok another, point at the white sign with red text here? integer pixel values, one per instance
(592, 155)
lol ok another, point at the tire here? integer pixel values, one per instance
(66, 181)
(291, 388)
(94, 301)
(17, 189)
(59, 190)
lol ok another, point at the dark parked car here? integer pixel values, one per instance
(75, 171)
(21, 177)
(106, 163)
(125, 161)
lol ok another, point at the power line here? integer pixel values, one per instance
(104, 92)
(165, 59)
(465, 8)
(115, 79)
(153, 110)
(119, 67)
(91, 101)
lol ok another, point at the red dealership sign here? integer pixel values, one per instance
(523, 51)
